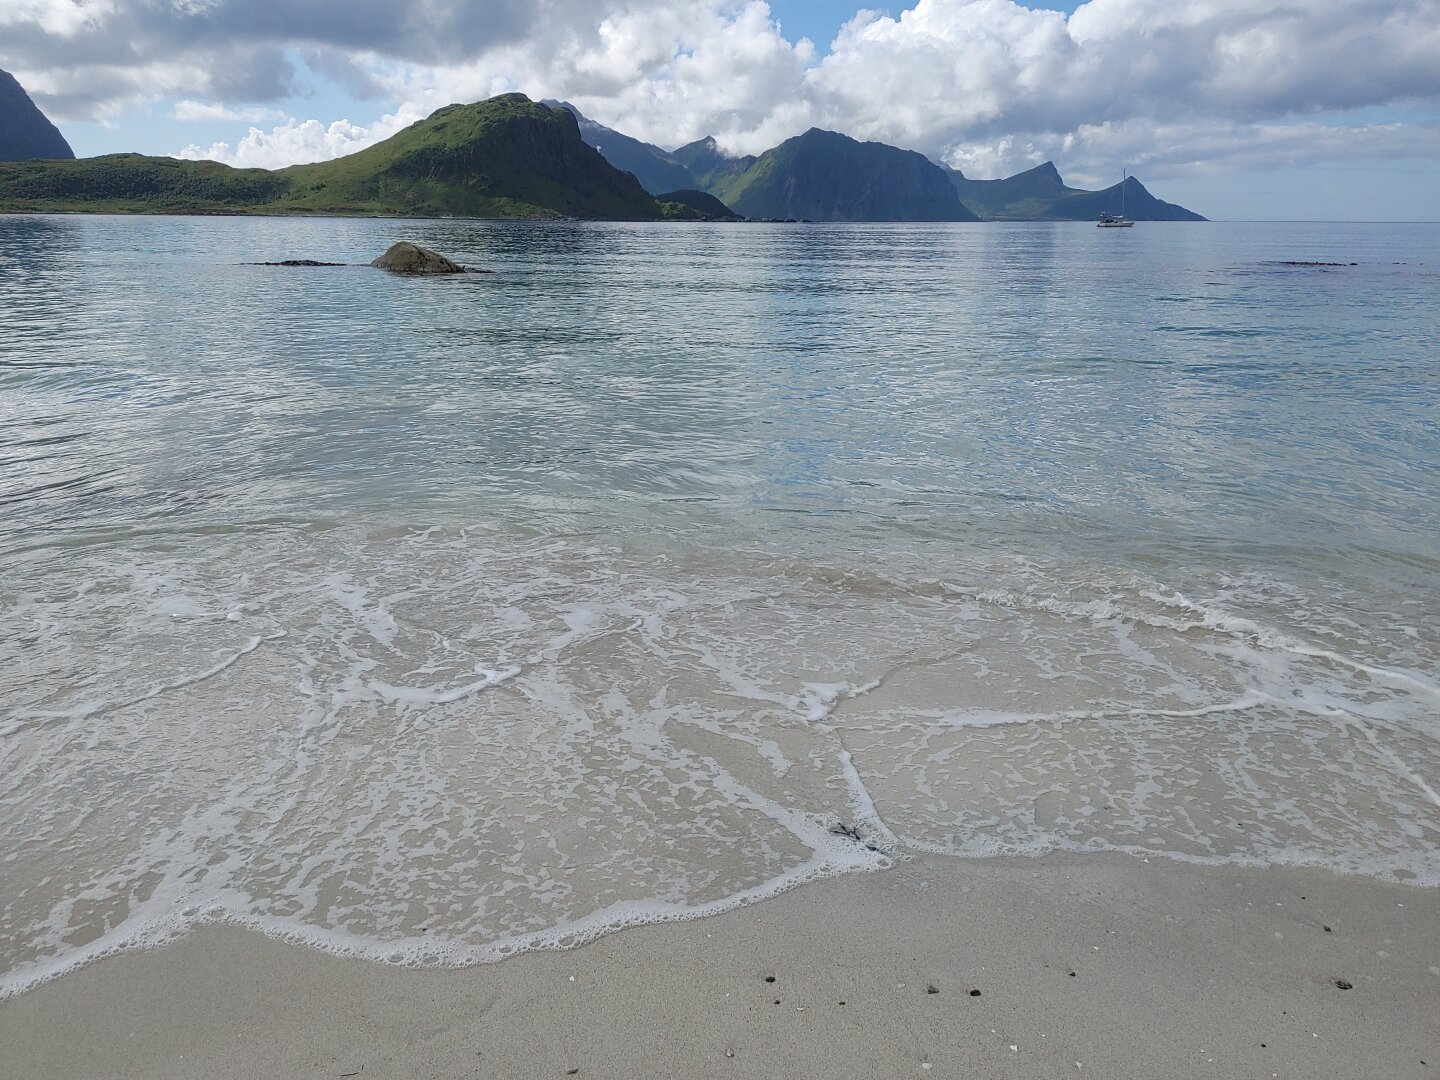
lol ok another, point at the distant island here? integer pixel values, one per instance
(510, 157)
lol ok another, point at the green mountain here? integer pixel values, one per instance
(1039, 194)
(700, 206)
(25, 132)
(507, 157)
(1024, 196)
(656, 170)
(825, 176)
(708, 167)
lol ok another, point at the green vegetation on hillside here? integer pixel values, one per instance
(507, 157)
(710, 170)
(130, 183)
(690, 205)
(824, 176)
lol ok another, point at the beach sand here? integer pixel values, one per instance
(1178, 971)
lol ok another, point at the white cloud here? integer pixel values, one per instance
(206, 111)
(298, 141)
(989, 85)
(64, 18)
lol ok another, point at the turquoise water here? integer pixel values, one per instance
(430, 620)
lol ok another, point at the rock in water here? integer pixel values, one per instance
(408, 258)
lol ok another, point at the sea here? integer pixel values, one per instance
(666, 567)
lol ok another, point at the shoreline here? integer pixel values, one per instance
(1179, 970)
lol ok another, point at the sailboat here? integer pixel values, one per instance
(1117, 221)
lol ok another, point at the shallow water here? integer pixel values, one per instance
(435, 619)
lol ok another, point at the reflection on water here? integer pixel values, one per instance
(1173, 382)
(435, 619)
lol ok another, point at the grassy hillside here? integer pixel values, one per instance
(824, 176)
(506, 157)
(690, 205)
(130, 183)
(709, 169)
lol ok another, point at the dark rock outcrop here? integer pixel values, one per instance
(408, 258)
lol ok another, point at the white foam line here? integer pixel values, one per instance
(1380, 672)
(826, 861)
(102, 707)
(1269, 637)
(983, 718)
(417, 695)
(1208, 618)
(861, 799)
(1395, 759)
(1033, 849)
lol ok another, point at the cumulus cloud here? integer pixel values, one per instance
(987, 85)
(300, 141)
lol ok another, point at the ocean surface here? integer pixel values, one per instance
(670, 566)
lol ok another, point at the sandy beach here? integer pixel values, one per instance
(1102, 966)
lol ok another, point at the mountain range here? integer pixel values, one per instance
(826, 176)
(510, 157)
(25, 132)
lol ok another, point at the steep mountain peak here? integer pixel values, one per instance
(25, 132)
(700, 156)
(1047, 171)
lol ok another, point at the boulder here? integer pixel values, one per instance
(408, 258)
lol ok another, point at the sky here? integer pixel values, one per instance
(1239, 109)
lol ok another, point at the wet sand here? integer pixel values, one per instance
(1099, 966)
